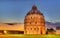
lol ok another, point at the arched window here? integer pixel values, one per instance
(35, 22)
(31, 28)
(30, 22)
(34, 28)
(37, 28)
(31, 17)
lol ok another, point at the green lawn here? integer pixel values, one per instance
(28, 36)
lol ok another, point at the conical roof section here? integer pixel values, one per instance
(34, 7)
(34, 10)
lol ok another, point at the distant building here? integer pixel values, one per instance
(57, 30)
(11, 28)
(50, 31)
(34, 22)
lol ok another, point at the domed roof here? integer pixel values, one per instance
(34, 10)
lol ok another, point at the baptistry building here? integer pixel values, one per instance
(34, 22)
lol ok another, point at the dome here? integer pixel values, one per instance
(34, 10)
(34, 22)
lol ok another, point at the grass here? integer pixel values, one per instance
(29, 36)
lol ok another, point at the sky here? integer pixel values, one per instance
(15, 10)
